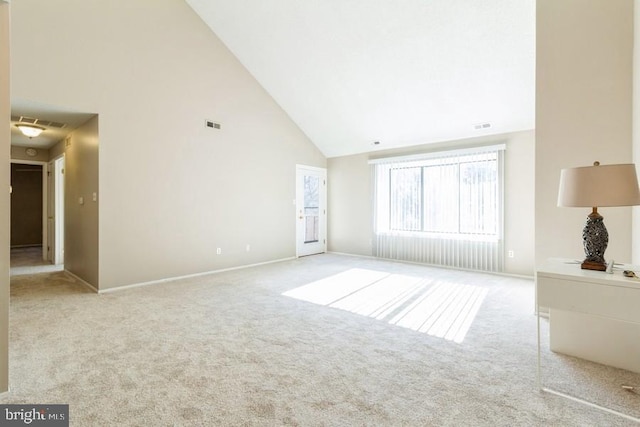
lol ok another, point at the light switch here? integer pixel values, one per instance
(95, 196)
(81, 200)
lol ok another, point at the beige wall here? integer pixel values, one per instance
(57, 150)
(81, 219)
(19, 153)
(171, 190)
(519, 209)
(635, 239)
(5, 144)
(350, 203)
(583, 114)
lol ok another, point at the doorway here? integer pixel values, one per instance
(311, 210)
(26, 205)
(29, 242)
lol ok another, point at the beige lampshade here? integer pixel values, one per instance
(603, 185)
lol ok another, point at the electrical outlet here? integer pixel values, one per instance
(510, 254)
(219, 251)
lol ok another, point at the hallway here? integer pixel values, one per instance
(28, 260)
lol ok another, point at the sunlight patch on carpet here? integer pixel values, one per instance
(439, 308)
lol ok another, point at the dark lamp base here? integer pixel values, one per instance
(595, 239)
(590, 265)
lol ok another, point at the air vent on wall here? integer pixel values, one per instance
(212, 124)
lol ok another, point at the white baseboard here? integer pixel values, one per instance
(354, 255)
(82, 281)
(189, 276)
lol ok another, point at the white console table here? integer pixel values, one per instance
(592, 315)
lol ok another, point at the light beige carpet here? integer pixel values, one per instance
(28, 260)
(387, 344)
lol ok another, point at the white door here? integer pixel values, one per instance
(59, 211)
(311, 210)
(51, 197)
(55, 211)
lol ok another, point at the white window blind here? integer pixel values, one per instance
(441, 208)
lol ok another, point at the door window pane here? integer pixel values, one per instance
(311, 208)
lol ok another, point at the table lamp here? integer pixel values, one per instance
(598, 186)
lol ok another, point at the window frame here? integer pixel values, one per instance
(383, 221)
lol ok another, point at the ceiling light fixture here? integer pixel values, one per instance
(30, 130)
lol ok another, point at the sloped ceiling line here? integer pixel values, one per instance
(349, 73)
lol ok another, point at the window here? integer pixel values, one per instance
(441, 208)
(455, 194)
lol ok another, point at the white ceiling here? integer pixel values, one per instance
(401, 72)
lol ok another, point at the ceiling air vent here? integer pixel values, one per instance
(39, 122)
(29, 120)
(480, 126)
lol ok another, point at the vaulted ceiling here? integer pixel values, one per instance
(399, 72)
